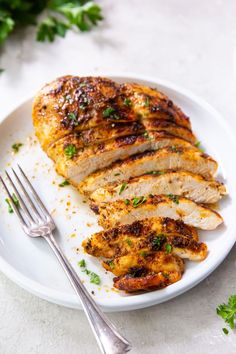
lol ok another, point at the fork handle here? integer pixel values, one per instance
(107, 336)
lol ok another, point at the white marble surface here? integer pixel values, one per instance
(192, 43)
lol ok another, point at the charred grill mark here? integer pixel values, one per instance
(126, 140)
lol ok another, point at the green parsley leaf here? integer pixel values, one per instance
(110, 112)
(165, 275)
(51, 27)
(64, 183)
(82, 16)
(82, 263)
(225, 330)
(174, 198)
(143, 253)
(10, 209)
(228, 311)
(147, 102)
(127, 102)
(94, 278)
(116, 174)
(111, 264)
(198, 143)
(138, 201)
(7, 24)
(70, 150)
(129, 242)
(72, 116)
(127, 201)
(15, 201)
(16, 147)
(123, 187)
(168, 248)
(158, 241)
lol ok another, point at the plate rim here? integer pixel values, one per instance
(131, 302)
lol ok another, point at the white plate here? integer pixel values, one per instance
(30, 263)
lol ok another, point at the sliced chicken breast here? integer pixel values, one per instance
(170, 128)
(180, 183)
(154, 234)
(93, 136)
(178, 208)
(89, 159)
(148, 281)
(172, 157)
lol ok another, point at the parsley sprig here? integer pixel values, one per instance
(94, 278)
(62, 15)
(228, 312)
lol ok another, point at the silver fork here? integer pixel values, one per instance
(36, 221)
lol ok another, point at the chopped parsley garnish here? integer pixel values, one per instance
(174, 198)
(16, 147)
(111, 264)
(228, 312)
(174, 148)
(110, 112)
(198, 145)
(129, 242)
(127, 201)
(165, 275)
(168, 248)
(82, 263)
(116, 174)
(127, 102)
(147, 136)
(70, 150)
(15, 201)
(94, 278)
(147, 102)
(225, 330)
(158, 241)
(143, 253)
(138, 201)
(64, 183)
(123, 187)
(72, 116)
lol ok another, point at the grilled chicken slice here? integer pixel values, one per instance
(180, 183)
(94, 136)
(171, 157)
(150, 103)
(169, 127)
(71, 103)
(145, 272)
(147, 282)
(178, 208)
(148, 235)
(91, 158)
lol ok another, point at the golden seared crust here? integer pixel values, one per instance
(169, 127)
(73, 103)
(178, 208)
(146, 282)
(150, 103)
(94, 136)
(150, 262)
(147, 236)
(181, 183)
(172, 157)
